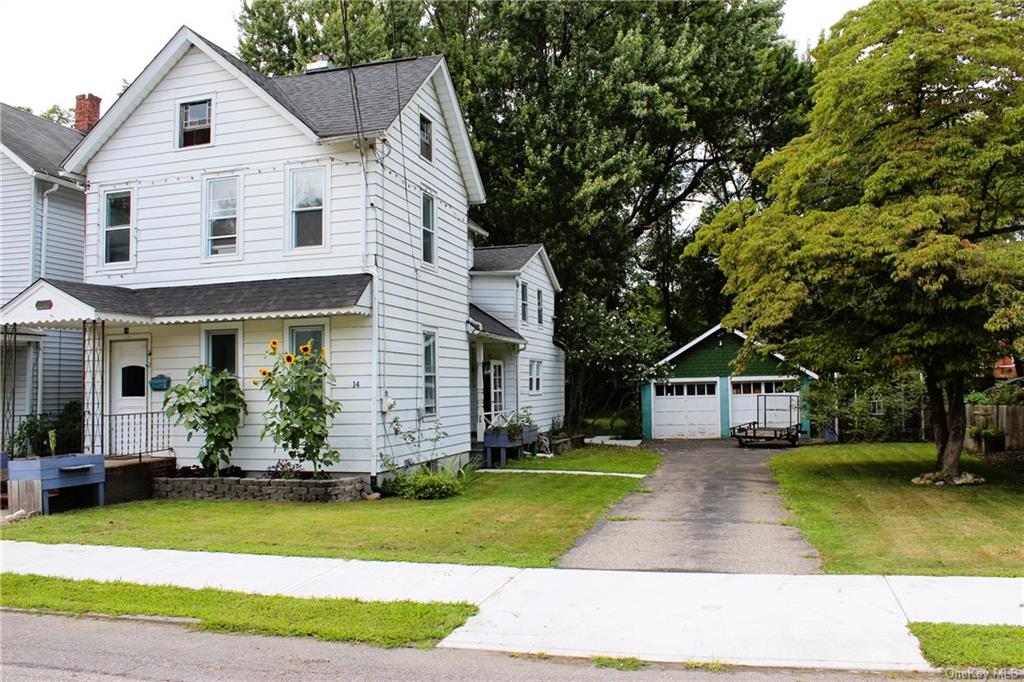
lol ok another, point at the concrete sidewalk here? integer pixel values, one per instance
(819, 621)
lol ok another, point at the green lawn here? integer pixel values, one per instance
(607, 459)
(950, 645)
(385, 624)
(856, 505)
(511, 520)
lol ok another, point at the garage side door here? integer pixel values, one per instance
(686, 410)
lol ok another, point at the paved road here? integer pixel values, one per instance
(53, 649)
(711, 507)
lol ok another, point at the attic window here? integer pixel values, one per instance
(194, 123)
(426, 138)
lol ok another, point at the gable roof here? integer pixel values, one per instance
(319, 103)
(201, 302)
(37, 143)
(511, 259)
(718, 327)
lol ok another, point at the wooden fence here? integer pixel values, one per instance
(1009, 418)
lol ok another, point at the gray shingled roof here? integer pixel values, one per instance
(230, 298)
(323, 99)
(40, 144)
(492, 325)
(503, 258)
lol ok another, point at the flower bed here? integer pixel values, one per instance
(281, 489)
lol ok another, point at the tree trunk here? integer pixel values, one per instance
(957, 419)
(937, 416)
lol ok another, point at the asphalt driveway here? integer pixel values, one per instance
(709, 507)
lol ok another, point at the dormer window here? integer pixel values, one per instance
(426, 138)
(195, 123)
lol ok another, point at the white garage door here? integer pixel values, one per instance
(779, 407)
(686, 410)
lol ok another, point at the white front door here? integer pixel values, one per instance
(686, 410)
(497, 387)
(129, 390)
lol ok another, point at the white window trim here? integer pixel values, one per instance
(422, 382)
(299, 322)
(289, 237)
(433, 137)
(176, 140)
(133, 230)
(432, 263)
(236, 327)
(205, 255)
(535, 384)
(540, 306)
(524, 305)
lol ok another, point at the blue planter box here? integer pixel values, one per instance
(62, 471)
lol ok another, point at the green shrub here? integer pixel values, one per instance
(424, 484)
(32, 437)
(211, 403)
(1003, 394)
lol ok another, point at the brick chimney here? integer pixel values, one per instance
(87, 112)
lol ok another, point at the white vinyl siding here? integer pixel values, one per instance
(254, 143)
(548, 404)
(16, 237)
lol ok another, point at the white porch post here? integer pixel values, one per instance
(479, 390)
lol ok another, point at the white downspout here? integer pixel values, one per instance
(42, 273)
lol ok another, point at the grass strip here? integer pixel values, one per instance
(377, 623)
(952, 645)
(609, 460)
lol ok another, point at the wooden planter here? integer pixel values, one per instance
(30, 480)
(497, 444)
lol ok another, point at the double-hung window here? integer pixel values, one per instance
(195, 123)
(307, 207)
(222, 350)
(300, 336)
(426, 138)
(117, 233)
(221, 216)
(429, 373)
(524, 302)
(535, 374)
(540, 307)
(428, 228)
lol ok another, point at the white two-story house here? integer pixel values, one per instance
(226, 209)
(42, 228)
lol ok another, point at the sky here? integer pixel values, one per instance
(52, 50)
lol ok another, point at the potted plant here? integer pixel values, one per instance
(992, 439)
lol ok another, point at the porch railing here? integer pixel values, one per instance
(123, 435)
(136, 433)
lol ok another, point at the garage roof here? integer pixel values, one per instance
(718, 327)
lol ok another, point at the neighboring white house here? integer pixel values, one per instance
(226, 209)
(42, 225)
(517, 364)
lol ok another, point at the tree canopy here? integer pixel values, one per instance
(595, 124)
(893, 231)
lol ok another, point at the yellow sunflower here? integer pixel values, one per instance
(264, 372)
(289, 359)
(306, 349)
(273, 345)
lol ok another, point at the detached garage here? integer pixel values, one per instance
(701, 398)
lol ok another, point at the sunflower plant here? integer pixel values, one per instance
(301, 410)
(211, 402)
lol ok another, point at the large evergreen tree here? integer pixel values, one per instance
(894, 232)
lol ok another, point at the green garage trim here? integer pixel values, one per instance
(724, 395)
(647, 410)
(708, 356)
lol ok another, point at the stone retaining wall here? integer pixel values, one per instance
(235, 488)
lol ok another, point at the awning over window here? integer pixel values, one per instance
(56, 303)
